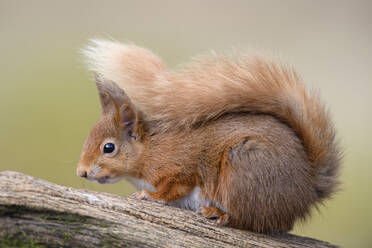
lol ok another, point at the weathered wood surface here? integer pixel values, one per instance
(52, 215)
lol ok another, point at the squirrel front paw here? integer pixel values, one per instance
(143, 195)
(215, 214)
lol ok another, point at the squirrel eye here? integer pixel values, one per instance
(108, 148)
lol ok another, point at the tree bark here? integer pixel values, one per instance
(39, 213)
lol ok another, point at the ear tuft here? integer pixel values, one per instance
(110, 94)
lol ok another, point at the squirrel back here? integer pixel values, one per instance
(213, 86)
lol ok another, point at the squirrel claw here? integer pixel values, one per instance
(223, 220)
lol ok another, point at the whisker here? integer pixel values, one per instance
(95, 170)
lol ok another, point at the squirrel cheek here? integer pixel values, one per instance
(109, 165)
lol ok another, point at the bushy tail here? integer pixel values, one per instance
(213, 86)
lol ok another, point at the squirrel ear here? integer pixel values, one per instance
(130, 121)
(115, 102)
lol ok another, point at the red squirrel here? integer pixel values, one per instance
(237, 138)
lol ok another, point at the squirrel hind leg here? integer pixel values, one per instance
(265, 186)
(216, 214)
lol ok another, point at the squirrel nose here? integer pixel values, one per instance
(81, 172)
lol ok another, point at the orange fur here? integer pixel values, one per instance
(242, 129)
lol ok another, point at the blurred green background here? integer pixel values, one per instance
(48, 102)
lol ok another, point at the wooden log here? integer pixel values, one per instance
(39, 213)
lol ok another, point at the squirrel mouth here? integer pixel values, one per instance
(108, 179)
(103, 180)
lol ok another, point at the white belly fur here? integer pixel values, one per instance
(192, 201)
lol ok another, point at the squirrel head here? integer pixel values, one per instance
(115, 142)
